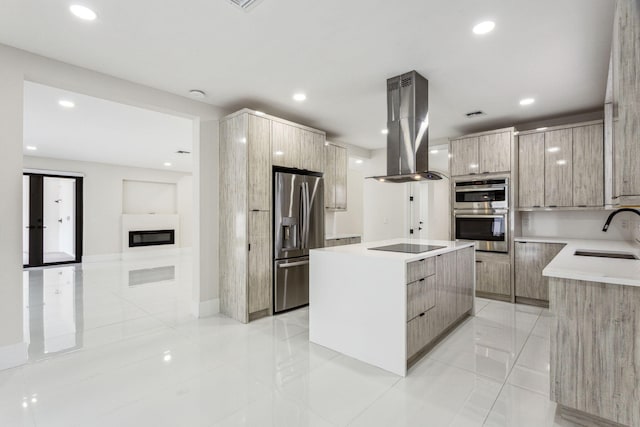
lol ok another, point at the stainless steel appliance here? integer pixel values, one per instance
(298, 225)
(482, 194)
(408, 130)
(489, 229)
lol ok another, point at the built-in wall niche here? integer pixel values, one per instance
(145, 197)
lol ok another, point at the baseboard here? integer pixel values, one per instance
(101, 258)
(206, 308)
(14, 355)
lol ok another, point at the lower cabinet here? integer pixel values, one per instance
(439, 299)
(531, 259)
(493, 274)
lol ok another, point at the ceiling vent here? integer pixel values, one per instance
(475, 114)
(245, 4)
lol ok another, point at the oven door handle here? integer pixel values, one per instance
(479, 190)
(482, 216)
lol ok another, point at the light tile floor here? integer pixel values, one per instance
(106, 353)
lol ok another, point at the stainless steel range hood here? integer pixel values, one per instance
(408, 126)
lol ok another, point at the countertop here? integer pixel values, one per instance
(361, 249)
(341, 236)
(566, 265)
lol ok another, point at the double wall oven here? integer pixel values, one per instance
(481, 213)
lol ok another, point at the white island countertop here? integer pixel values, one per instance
(566, 265)
(362, 249)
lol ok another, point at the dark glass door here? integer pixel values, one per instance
(52, 220)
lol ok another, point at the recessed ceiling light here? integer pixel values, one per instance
(31, 148)
(167, 163)
(299, 97)
(542, 128)
(527, 101)
(197, 93)
(66, 103)
(83, 12)
(484, 27)
(259, 113)
(384, 131)
(359, 161)
(434, 151)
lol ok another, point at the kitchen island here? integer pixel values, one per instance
(389, 308)
(595, 333)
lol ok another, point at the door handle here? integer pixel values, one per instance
(293, 264)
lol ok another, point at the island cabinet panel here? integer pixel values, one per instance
(531, 258)
(421, 331)
(464, 280)
(421, 296)
(493, 273)
(558, 168)
(446, 285)
(422, 268)
(595, 349)
(531, 170)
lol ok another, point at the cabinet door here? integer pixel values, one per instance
(464, 280)
(330, 176)
(285, 144)
(421, 296)
(259, 153)
(531, 259)
(493, 273)
(531, 170)
(311, 151)
(341, 178)
(446, 292)
(464, 156)
(259, 261)
(588, 165)
(494, 152)
(421, 330)
(558, 168)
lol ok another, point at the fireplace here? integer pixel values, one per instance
(151, 238)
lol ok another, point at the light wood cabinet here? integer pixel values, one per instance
(341, 241)
(531, 170)
(464, 156)
(530, 259)
(483, 154)
(588, 166)
(259, 257)
(465, 280)
(421, 296)
(446, 289)
(558, 172)
(312, 151)
(335, 177)
(493, 273)
(285, 143)
(421, 268)
(561, 168)
(494, 152)
(259, 163)
(626, 108)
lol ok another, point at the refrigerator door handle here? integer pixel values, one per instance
(307, 219)
(301, 215)
(293, 264)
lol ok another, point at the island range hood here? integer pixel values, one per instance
(408, 126)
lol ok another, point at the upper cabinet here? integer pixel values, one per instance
(259, 163)
(562, 167)
(482, 154)
(335, 177)
(626, 108)
(298, 148)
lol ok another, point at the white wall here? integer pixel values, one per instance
(18, 66)
(384, 204)
(103, 199)
(576, 224)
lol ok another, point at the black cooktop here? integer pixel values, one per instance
(409, 248)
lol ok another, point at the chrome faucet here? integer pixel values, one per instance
(616, 212)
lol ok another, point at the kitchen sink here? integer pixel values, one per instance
(605, 254)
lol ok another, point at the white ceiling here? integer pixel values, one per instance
(340, 53)
(103, 131)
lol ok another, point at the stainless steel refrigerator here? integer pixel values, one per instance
(298, 225)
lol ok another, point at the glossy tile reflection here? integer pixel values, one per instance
(104, 352)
